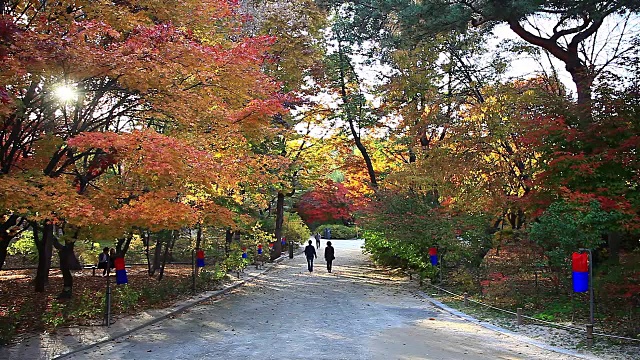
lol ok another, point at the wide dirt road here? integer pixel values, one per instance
(356, 312)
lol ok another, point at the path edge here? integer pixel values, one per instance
(503, 331)
(189, 304)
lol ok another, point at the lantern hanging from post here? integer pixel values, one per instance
(259, 249)
(200, 258)
(433, 255)
(244, 252)
(580, 271)
(121, 272)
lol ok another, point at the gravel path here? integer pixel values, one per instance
(356, 312)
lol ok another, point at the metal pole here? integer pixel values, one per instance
(440, 263)
(193, 270)
(591, 302)
(108, 297)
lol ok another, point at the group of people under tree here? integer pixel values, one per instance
(105, 260)
(310, 253)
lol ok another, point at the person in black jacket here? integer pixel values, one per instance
(310, 252)
(329, 255)
(103, 261)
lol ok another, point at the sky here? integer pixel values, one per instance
(604, 44)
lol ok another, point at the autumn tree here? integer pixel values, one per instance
(575, 33)
(170, 69)
(327, 202)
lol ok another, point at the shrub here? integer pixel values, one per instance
(89, 305)
(126, 297)
(24, 247)
(8, 321)
(235, 262)
(209, 279)
(54, 315)
(294, 229)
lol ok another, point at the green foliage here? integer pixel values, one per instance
(87, 253)
(126, 297)
(8, 325)
(210, 278)
(162, 290)
(24, 246)
(429, 272)
(294, 229)
(338, 231)
(53, 316)
(88, 305)
(235, 262)
(381, 250)
(560, 310)
(565, 227)
(402, 229)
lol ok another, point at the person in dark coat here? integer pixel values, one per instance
(310, 252)
(103, 261)
(329, 255)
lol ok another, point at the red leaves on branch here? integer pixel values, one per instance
(329, 201)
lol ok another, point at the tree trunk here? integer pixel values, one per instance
(277, 247)
(613, 239)
(156, 255)
(146, 239)
(168, 246)
(4, 245)
(199, 236)
(67, 262)
(44, 244)
(122, 246)
(6, 236)
(351, 120)
(228, 238)
(583, 81)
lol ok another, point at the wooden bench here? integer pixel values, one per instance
(92, 267)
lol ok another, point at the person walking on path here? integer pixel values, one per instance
(310, 252)
(329, 255)
(317, 236)
(103, 261)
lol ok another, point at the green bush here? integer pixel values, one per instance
(24, 247)
(88, 305)
(565, 227)
(126, 297)
(235, 262)
(209, 279)
(53, 316)
(87, 252)
(294, 229)
(8, 325)
(338, 231)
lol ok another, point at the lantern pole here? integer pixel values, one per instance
(591, 303)
(194, 270)
(440, 264)
(107, 302)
